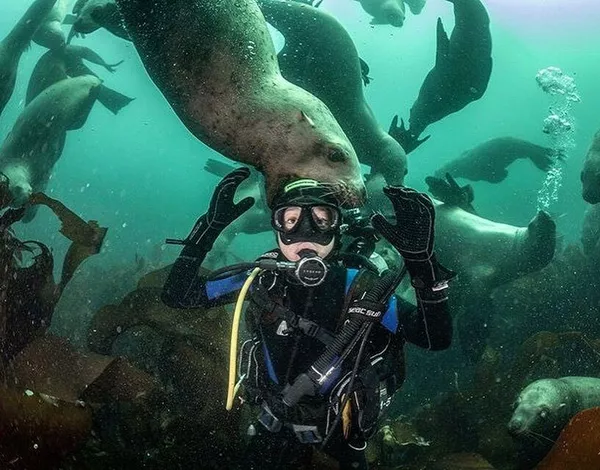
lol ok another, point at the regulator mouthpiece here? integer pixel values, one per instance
(310, 270)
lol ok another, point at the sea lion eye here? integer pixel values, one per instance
(543, 414)
(336, 156)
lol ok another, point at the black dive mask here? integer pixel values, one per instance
(316, 223)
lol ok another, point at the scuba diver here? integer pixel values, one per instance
(326, 339)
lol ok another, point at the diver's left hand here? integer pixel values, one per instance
(413, 233)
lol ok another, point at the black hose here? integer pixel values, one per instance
(309, 383)
(349, 390)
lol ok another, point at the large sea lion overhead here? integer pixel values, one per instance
(36, 141)
(320, 56)
(15, 43)
(590, 175)
(489, 161)
(216, 65)
(58, 64)
(461, 73)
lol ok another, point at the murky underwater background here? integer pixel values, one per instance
(141, 173)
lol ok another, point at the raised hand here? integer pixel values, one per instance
(413, 233)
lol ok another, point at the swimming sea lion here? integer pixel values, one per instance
(385, 11)
(91, 15)
(58, 64)
(480, 250)
(215, 63)
(590, 175)
(50, 33)
(36, 141)
(15, 43)
(489, 161)
(462, 69)
(320, 56)
(416, 6)
(545, 406)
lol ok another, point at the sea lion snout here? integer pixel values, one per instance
(516, 426)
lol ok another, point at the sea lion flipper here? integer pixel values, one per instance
(69, 19)
(112, 100)
(443, 44)
(218, 168)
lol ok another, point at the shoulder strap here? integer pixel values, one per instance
(357, 283)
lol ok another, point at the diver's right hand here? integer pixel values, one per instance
(222, 210)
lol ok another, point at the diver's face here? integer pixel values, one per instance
(291, 252)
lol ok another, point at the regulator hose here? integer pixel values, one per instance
(309, 382)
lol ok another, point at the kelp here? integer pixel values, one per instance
(578, 446)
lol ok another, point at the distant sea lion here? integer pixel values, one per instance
(36, 141)
(320, 56)
(15, 43)
(50, 33)
(489, 161)
(56, 65)
(385, 11)
(590, 175)
(215, 63)
(545, 406)
(91, 15)
(461, 73)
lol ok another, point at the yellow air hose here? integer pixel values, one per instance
(235, 330)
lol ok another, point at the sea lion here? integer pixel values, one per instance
(416, 6)
(36, 141)
(320, 56)
(590, 175)
(461, 73)
(216, 65)
(590, 232)
(482, 251)
(545, 406)
(91, 15)
(390, 12)
(489, 161)
(58, 64)
(50, 34)
(15, 43)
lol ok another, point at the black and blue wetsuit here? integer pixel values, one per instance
(278, 352)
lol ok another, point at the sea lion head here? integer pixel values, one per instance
(393, 13)
(19, 188)
(541, 410)
(314, 147)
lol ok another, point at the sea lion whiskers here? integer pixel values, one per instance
(537, 435)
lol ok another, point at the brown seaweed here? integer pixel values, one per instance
(87, 237)
(578, 444)
(38, 430)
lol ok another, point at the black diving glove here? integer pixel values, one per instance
(221, 212)
(413, 235)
